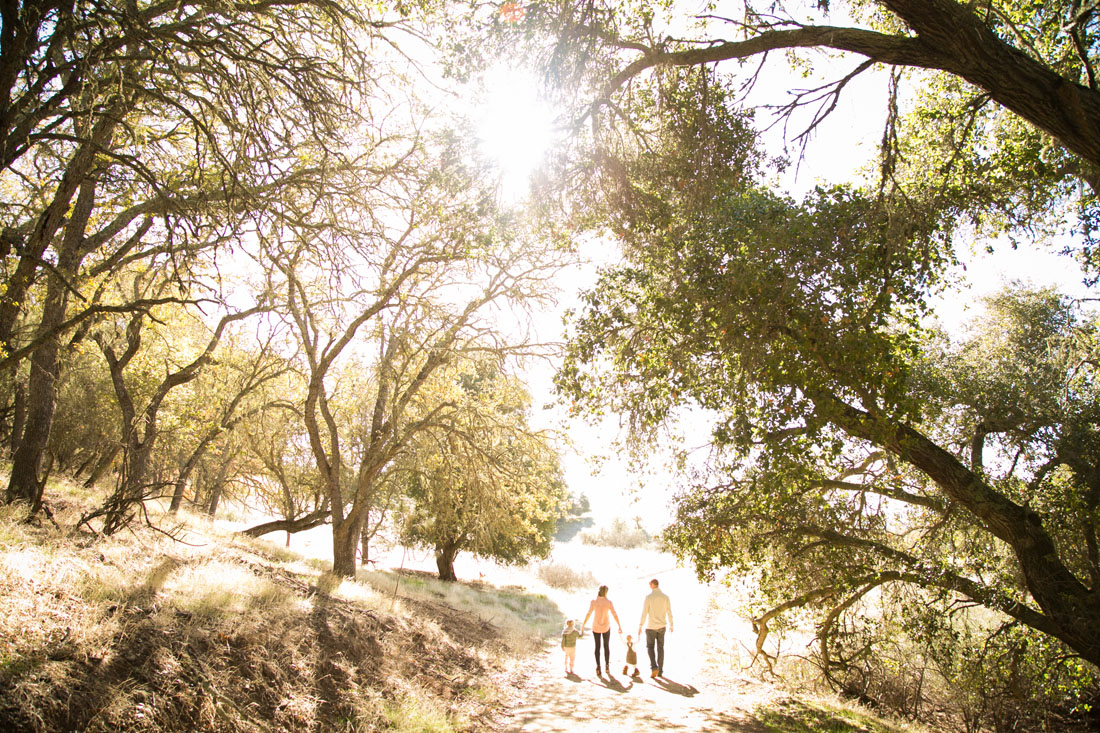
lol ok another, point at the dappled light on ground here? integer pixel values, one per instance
(704, 687)
(685, 699)
(137, 632)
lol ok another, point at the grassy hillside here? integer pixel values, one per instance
(208, 632)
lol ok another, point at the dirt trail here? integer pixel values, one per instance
(698, 692)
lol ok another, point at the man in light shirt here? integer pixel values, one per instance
(658, 610)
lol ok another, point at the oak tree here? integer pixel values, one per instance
(407, 273)
(484, 481)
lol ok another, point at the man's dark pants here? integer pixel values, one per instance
(655, 637)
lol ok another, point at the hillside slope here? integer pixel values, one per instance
(142, 632)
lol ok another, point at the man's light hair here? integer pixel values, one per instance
(655, 583)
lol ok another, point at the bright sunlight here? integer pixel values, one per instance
(515, 128)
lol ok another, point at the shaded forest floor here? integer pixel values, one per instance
(207, 631)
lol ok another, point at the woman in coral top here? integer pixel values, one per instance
(599, 610)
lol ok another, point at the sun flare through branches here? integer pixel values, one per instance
(515, 128)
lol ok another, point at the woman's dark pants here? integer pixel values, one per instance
(606, 636)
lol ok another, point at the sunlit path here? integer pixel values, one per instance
(694, 695)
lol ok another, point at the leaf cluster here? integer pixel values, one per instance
(488, 484)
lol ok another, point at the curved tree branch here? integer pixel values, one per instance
(949, 37)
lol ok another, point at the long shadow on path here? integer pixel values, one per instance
(550, 702)
(612, 684)
(675, 687)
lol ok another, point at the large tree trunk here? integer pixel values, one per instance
(345, 541)
(1069, 608)
(445, 561)
(25, 482)
(18, 414)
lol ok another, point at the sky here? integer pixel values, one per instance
(838, 150)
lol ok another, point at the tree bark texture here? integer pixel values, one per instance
(178, 491)
(18, 414)
(345, 542)
(966, 47)
(77, 176)
(445, 561)
(1071, 607)
(25, 482)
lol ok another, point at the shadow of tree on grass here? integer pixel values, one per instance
(346, 649)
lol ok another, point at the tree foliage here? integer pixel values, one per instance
(154, 134)
(858, 457)
(985, 108)
(850, 453)
(487, 483)
(399, 271)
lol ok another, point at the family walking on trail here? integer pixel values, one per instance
(656, 619)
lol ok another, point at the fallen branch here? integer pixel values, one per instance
(301, 524)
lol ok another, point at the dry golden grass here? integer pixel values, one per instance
(143, 632)
(523, 618)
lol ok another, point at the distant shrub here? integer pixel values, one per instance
(563, 577)
(619, 534)
(578, 506)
